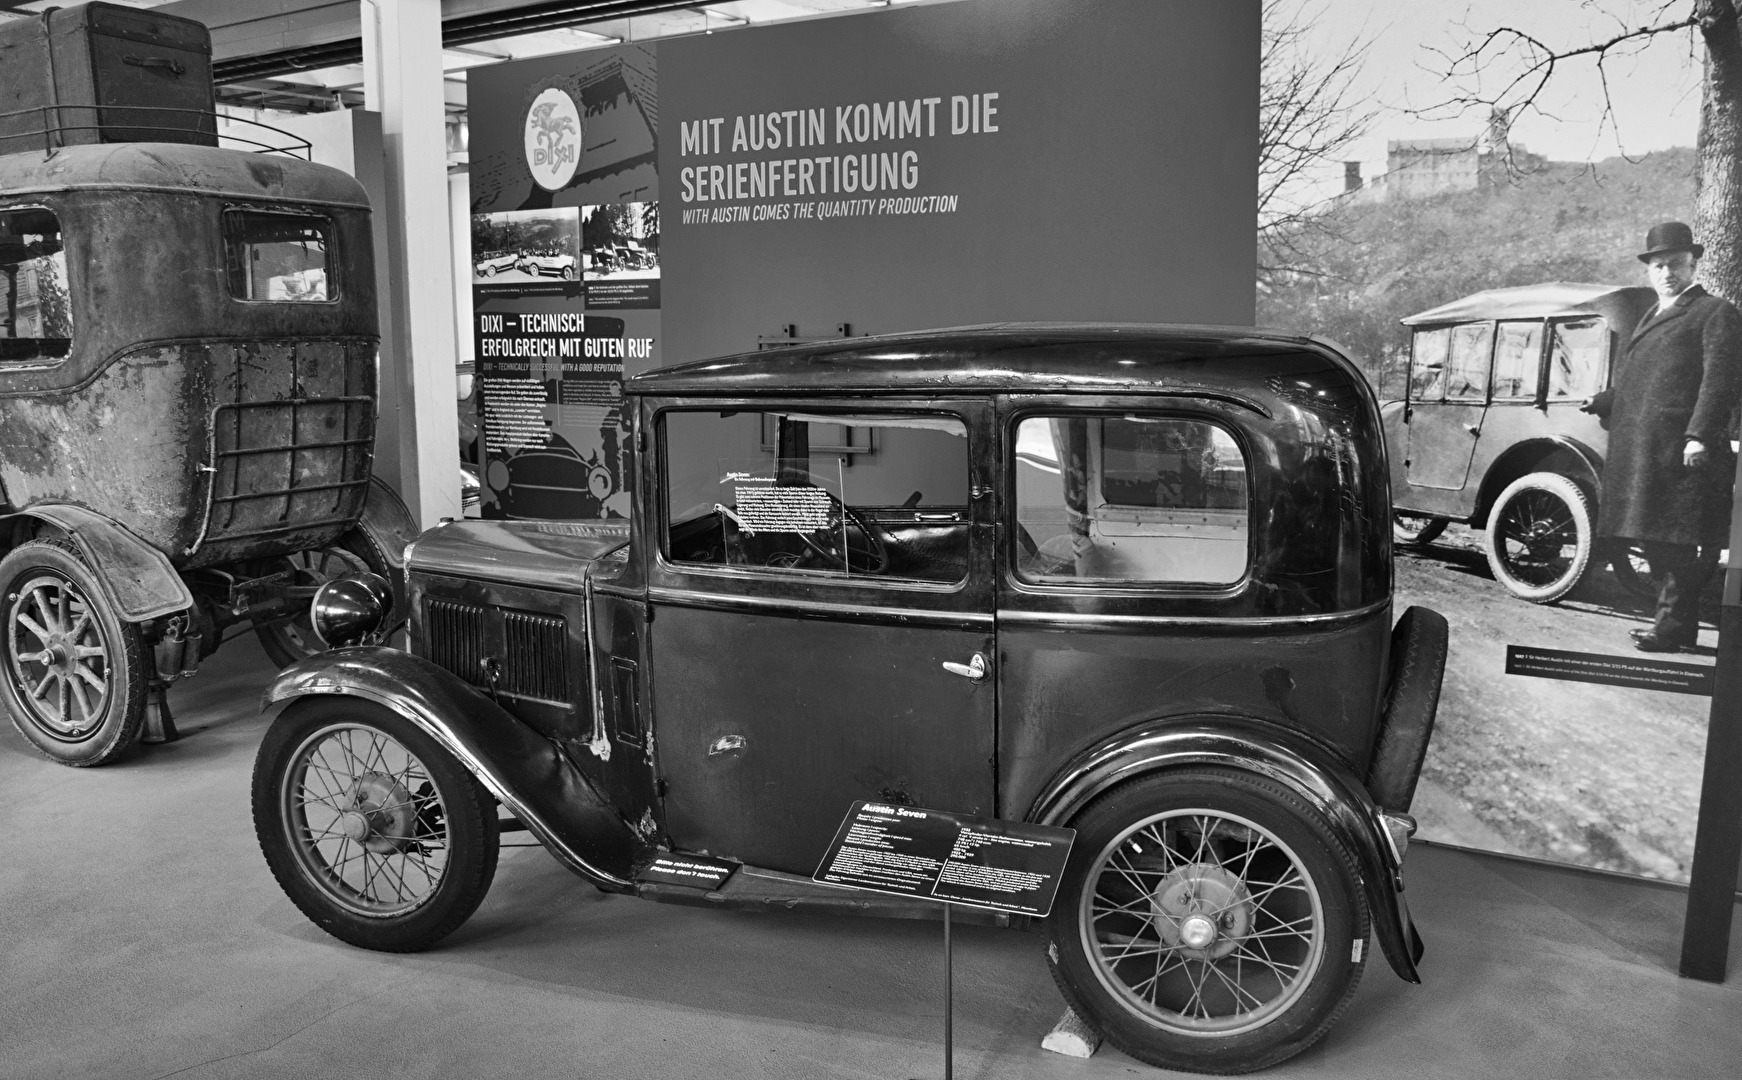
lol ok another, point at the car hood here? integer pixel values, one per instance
(538, 554)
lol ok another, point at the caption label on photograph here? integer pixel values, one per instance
(1609, 670)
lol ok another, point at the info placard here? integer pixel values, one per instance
(959, 858)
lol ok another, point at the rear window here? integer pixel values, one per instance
(1121, 499)
(278, 257)
(36, 311)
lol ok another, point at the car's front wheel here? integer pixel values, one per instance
(375, 831)
(1539, 537)
(1209, 921)
(1416, 530)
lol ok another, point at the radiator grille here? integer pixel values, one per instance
(455, 633)
(535, 665)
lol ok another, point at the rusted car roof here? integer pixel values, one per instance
(1525, 302)
(178, 167)
(1032, 357)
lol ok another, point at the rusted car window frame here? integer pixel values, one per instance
(330, 239)
(42, 359)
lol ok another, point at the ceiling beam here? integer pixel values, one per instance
(487, 26)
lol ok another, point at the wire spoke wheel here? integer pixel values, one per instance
(1210, 920)
(372, 828)
(365, 821)
(1539, 537)
(1203, 922)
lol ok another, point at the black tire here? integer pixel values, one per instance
(1633, 572)
(338, 772)
(1416, 530)
(290, 638)
(1418, 664)
(1214, 851)
(75, 672)
(1539, 537)
(568, 273)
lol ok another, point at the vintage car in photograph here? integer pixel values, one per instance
(1135, 581)
(492, 263)
(187, 420)
(1491, 434)
(548, 261)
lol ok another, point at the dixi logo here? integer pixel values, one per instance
(553, 139)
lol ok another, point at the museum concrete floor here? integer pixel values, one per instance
(142, 936)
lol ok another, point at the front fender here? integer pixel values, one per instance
(526, 771)
(1269, 751)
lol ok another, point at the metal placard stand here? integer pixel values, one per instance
(947, 858)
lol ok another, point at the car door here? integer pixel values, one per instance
(822, 622)
(1449, 397)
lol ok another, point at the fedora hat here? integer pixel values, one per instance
(1670, 236)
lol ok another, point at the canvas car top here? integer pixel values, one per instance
(178, 167)
(1015, 357)
(1523, 302)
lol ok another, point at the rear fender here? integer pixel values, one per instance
(1251, 746)
(523, 769)
(137, 579)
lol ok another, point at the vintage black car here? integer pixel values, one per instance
(1491, 431)
(1131, 580)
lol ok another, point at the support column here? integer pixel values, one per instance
(417, 441)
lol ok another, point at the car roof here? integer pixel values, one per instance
(178, 167)
(1528, 302)
(1020, 357)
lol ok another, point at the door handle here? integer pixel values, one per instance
(974, 669)
(1473, 429)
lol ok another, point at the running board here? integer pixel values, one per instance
(752, 888)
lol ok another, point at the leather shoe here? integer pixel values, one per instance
(1649, 641)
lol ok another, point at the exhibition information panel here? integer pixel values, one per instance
(957, 858)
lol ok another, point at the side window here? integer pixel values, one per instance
(1517, 358)
(278, 257)
(36, 311)
(1117, 499)
(893, 504)
(1577, 351)
(1427, 369)
(1467, 366)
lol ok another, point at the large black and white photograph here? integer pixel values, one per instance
(1501, 220)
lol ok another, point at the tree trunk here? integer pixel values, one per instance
(1718, 175)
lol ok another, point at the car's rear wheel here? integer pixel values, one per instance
(375, 831)
(1539, 537)
(75, 672)
(1633, 572)
(1416, 530)
(1209, 920)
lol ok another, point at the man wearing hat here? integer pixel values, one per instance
(1671, 414)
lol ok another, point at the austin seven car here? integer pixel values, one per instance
(1134, 581)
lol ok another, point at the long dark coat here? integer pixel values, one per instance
(1680, 376)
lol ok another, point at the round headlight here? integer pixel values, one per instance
(347, 610)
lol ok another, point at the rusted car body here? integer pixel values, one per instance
(187, 410)
(1132, 580)
(1491, 431)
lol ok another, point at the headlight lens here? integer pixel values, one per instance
(350, 609)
